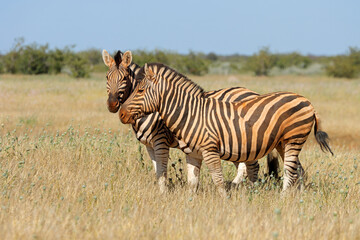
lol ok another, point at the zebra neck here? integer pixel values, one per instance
(179, 109)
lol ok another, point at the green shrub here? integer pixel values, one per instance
(261, 63)
(2, 69)
(33, 59)
(193, 63)
(293, 59)
(79, 67)
(56, 61)
(39, 59)
(345, 66)
(92, 55)
(341, 66)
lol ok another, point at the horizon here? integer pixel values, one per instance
(319, 28)
(113, 52)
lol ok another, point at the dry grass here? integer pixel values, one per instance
(70, 170)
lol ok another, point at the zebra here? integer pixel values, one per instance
(151, 130)
(235, 131)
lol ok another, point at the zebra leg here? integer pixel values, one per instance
(292, 164)
(212, 160)
(160, 155)
(252, 168)
(273, 164)
(151, 153)
(193, 172)
(301, 174)
(241, 173)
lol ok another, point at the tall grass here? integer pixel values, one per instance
(70, 170)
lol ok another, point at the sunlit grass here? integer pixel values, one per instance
(69, 169)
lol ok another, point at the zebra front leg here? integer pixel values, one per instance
(241, 174)
(151, 153)
(252, 169)
(193, 172)
(162, 157)
(212, 160)
(159, 156)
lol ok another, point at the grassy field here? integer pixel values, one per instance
(70, 170)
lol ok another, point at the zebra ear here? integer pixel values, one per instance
(126, 59)
(108, 60)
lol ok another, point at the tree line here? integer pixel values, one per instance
(40, 59)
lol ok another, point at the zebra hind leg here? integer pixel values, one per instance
(292, 166)
(252, 169)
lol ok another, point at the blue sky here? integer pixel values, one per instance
(321, 27)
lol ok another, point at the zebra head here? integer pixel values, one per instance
(143, 100)
(118, 84)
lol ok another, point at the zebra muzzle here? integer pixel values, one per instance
(126, 117)
(113, 104)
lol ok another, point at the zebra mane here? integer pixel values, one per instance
(179, 77)
(134, 70)
(118, 58)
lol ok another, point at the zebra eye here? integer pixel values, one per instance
(141, 90)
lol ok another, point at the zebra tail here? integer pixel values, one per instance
(321, 137)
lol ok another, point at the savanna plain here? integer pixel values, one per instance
(70, 170)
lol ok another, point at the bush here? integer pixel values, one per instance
(92, 55)
(38, 59)
(56, 61)
(261, 63)
(341, 66)
(2, 69)
(33, 59)
(293, 59)
(78, 66)
(193, 63)
(346, 66)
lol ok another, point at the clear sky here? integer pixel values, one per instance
(321, 27)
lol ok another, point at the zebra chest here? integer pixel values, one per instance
(144, 131)
(151, 131)
(143, 137)
(186, 149)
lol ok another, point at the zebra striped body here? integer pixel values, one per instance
(151, 130)
(237, 132)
